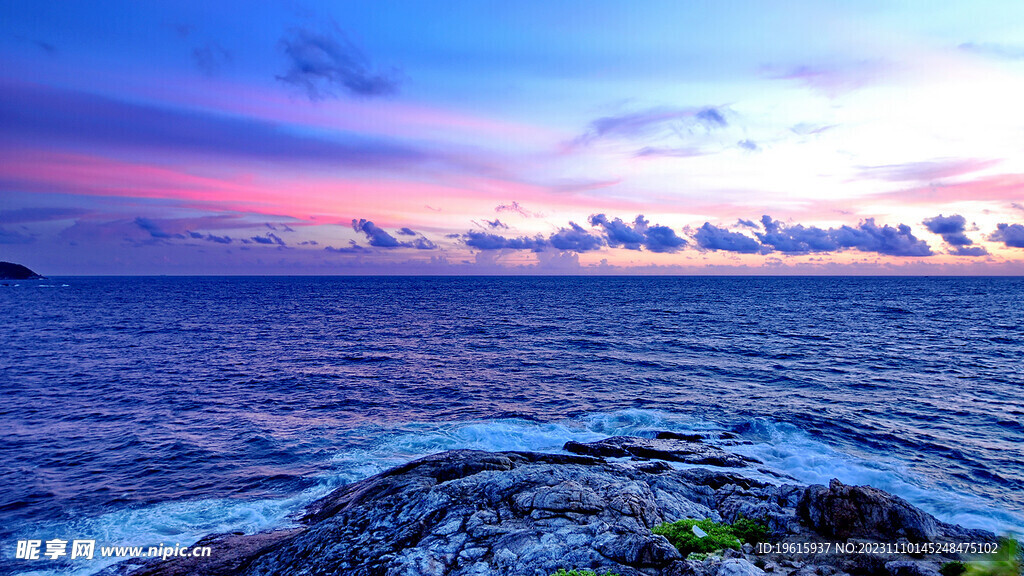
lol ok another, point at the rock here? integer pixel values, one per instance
(228, 552)
(738, 567)
(678, 436)
(474, 513)
(668, 449)
(911, 568)
(12, 271)
(842, 511)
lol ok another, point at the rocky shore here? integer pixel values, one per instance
(466, 512)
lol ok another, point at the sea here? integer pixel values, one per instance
(157, 410)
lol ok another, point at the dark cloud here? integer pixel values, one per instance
(655, 238)
(635, 124)
(210, 58)
(210, 238)
(575, 239)
(869, 237)
(43, 45)
(218, 239)
(747, 223)
(377, 237)
(154, 229)
(495, 224)
(795, 239)
(650, 121)
(712, 116)
(662, 239)
(380, 238)
(31, 114)
(352, 248)
(12, 237)
(487, 241)
(319, 64)
(714, 238)
(514, 208)
(943, 225)
(618, 233)
(951, 228)
(23, 215)
(1012, 235)
(748, 145)
(422, 243)
(969, 251)
(269, 239)
(798, 239)
(50, 49)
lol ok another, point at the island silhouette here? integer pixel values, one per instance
(12, 271)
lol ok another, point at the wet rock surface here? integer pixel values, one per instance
(469, 512)
(671, 449)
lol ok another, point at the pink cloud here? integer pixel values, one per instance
(999, 187)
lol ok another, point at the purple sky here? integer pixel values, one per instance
(525, 137)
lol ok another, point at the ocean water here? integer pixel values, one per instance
(147, 411)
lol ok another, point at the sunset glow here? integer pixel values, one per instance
(605, 138)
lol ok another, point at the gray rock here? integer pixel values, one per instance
(911, 568)
(738, 567)
(473, 513)
(668, 449)
(843, 511)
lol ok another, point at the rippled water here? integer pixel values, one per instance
(159, 409)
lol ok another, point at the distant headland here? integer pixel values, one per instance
(12, 271)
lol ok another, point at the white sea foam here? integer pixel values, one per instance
(181, 522)
(788, 449)
(782, 447)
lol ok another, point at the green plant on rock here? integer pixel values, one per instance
(1006, 561)
(564, 572)
(954, 568)
(681, 535)
(749, 531)
(719, 536)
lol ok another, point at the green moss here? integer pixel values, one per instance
(563, 572)
(955, 568)
(749, 531)
(719, 536)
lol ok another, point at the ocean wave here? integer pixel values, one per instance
(782, 447)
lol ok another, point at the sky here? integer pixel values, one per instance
(548, 137)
